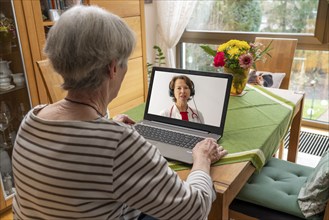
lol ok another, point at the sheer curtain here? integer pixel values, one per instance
(173, 17)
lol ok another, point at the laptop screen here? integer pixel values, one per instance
(205, 93)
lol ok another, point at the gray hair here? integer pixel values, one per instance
(84, 41)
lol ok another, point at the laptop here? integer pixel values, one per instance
(162, 124)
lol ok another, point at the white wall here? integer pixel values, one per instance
(150, 28)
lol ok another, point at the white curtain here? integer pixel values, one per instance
(173, 17)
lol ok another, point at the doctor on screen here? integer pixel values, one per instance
(181, 89)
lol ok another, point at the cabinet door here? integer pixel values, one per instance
(14, 97)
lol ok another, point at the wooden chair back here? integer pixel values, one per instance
(52, 81)
(283, 51)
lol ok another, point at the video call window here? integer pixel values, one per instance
(206, 103)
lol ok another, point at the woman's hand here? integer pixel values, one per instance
(124, 118)
(205, 153)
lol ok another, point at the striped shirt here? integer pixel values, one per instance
(99, 169)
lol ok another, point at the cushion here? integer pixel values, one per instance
(277, 186)
(314, 194)
(272, 80)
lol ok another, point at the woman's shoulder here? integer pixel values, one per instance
(100, 124)
(165, 112)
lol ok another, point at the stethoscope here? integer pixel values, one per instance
(194, 115)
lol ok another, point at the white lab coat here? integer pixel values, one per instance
(173, 112)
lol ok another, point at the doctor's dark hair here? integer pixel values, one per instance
(188, 82)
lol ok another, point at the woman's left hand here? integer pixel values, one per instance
(124, 118)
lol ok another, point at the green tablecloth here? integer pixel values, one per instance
(256, 123)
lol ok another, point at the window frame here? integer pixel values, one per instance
(317, 41)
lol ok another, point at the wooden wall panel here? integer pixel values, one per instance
(135, 24)
(23, 27)
(143, 38)
(132, 86)
(122, 8)
(31, 9)
(126, 106)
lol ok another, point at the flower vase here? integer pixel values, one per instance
(5, 42)
(240, 78)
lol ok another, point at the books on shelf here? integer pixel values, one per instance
(58, 5)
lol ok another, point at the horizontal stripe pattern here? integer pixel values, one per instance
(99, 170)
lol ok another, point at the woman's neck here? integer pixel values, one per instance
(182, 107)
(92, 99)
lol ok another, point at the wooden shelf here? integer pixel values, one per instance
(48, 23)
(12, 90)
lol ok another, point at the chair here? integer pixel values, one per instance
(52, 81)
(272, 193)
(282, 56)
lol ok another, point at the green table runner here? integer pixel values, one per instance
(256, 123)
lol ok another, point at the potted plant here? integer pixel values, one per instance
(158, 60)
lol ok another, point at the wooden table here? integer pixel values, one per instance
(230, 178)
(298, 100)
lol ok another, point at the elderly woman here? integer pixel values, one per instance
(181, 89)
(72, 163)
(260, 79)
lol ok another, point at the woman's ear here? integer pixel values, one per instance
(112, 69)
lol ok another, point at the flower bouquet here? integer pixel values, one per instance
(237, 57)
(7, 33)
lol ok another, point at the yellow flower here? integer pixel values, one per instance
(233, 44)
(237, 54)
(234, 51)
(244, 45)
(4, 29)
(222, 47)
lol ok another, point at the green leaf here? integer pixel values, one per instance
(208, 50)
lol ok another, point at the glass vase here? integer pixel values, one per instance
(240, 78)
(5, 42)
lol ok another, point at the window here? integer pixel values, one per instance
(310, 74)
(215, 22)
(255, 16)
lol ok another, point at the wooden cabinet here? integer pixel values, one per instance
(32, 30)
(134, 88)
(14, 97)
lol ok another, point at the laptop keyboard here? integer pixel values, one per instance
(169, 137)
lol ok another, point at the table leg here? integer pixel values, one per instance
(228, 183)
(220, 207)
(295, 133)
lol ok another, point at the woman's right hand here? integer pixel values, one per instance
(124, 118)
(205, 153)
